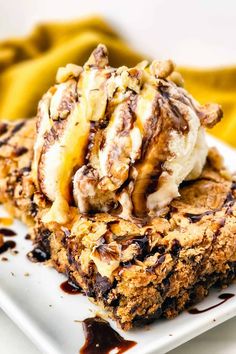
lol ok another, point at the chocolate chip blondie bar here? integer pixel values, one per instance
(137, 270)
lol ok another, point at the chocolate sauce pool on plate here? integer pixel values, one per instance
(100, 338)
(7, 245)
(7, 232)
(70, 288)
(223, 297)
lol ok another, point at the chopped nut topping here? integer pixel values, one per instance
(106, 258)
(68, 72)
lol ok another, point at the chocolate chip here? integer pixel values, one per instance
(233, 187)
(229, 201)
(102, 285)
(24, 170)
(158, 249)
(20, 151)
(38, 254)
(197, 217)
(33, 209)
(158, 262)
(176, 247)
(139, 321)
(3, 128)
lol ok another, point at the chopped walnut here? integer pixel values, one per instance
(210, 114)
(99, 57)
(162, 69)
(106, 258)
(67, 72)
(130, 252)
(177, 78)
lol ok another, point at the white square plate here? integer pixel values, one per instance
(47, 315)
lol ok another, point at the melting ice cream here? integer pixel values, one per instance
(118, 138)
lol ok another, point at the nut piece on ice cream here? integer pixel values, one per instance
(119, 139)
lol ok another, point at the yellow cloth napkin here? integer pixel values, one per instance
(28, 67)
(216, 85)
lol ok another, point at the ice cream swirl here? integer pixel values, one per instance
(118, 138)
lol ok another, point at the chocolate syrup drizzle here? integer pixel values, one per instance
(21, 150)
(197, 217)
(101, 338)
(70, 288)
(27, 237)
(7, 232)
(224, 297)
(4, 129)
(228, 203)
(7, 246)
(38, 255)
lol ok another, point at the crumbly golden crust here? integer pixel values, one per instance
(17, 190)
(139, 273)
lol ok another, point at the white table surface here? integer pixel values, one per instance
(219, 340)
(195, 33)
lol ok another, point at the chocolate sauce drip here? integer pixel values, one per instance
(27, 237)
(25, 170)
(221, 224)
(143, 244)
(101, 338)
(197, 217)
(21, 151)
(70, 288)
(177, 117)
(4, 142)
(38, 254)
(90, 144)
(228, 203)
(233, 187)
(3, 128)
(7, 232)
(16, 128)
(230, 200)
(33, 209)
(223, 297)
(159, 261)
(7, 246)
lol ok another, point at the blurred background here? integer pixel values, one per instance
(36, 37)
(197, 32)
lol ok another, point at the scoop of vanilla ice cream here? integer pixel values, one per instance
(190, 152)
(118, 139)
